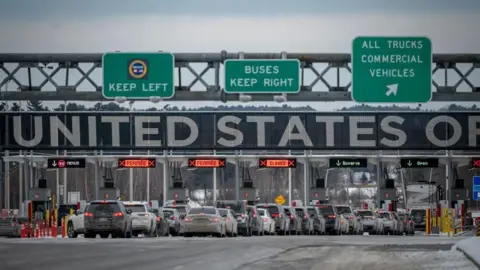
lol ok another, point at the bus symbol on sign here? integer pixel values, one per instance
(175, 195)
(245, 195)
(37, 196)
(315, 194)
(386, 194)
(61, 163)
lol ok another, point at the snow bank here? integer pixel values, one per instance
(470, 247)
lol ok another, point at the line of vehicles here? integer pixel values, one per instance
(230, 218)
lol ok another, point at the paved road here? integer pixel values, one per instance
(274, 252)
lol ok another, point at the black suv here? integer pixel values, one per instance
(244, 220)
(107, 217)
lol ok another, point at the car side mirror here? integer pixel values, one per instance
(129, 211)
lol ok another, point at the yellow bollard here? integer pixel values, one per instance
(66, 226)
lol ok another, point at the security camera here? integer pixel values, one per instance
(155, 99)
(280, 98)
(120, 99)
(245, 98)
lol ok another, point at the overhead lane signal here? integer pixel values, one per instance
(207, 163)
(137, 163)
(277, 163)
(348, 162)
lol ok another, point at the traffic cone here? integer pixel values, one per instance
(37, 231)
(24, 231)
(63, 228)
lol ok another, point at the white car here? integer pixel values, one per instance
(390, 224)
(268, 221)
(75, 223)
(230, 221)
(371, 223)
(144, 221)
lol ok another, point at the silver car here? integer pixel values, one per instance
(347, 212)
(203, 221)
(371, 223)
(174, 222)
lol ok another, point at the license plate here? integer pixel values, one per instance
(103, 219)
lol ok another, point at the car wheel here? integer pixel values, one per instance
(71, 231)
(104, 235)
(89, 235)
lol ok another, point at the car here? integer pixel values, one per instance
(174, 221)
(10, 226)
(418, 217)
(204, 221)
(282, 220)
(268, 221)
(334, 222)
(257, 221)
(230, 220)
(400, 223)
(163, 226)
(75, 223)
(409, 225)
(244, 220)
(143, 218)
(318, 220)
(295, 221)
(107, 217)
(390, 224)
(371, 223)
(347, 212)
(181, 208)
(359, 219)
(307, 222)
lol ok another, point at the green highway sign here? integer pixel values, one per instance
(138, 75)
(269, 76)
(392, 69)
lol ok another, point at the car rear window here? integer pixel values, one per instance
(168, 213)
(181, 209)
(287, 211)
(384, 215)
(200, 210)
(311, 211)
(416, 212)
(271, 208)
(365, 213)
(238, 207)
(343, 209)
(103, 207)
(136, 208)
(299, 211)
(223, 212)
(325, 209)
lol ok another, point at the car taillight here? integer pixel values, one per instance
(187, 219)
(227, 219)
(292, 217)
(174, 218)
(265, 220)
(305, 217)
(351, 217)
(215, 219)
(158, 219)
(242, 215)
(118, 214)
(332, 216)
(88, 214)
(275, 215)
(13, 224)
(254, 215)
(410, 221)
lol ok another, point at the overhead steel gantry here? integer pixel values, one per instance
(50, 65)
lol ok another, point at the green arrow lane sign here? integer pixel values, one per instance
(138, 75)
(268, 76)
(392, 69)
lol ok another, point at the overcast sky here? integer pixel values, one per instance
(213, 25)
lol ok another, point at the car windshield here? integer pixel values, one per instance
(325, 209)
(365, 213)
(236, 206)
(261, 212)
(202, 210)
(271, 208)
(384, 215)
(102, 207)
(168, 213)
(136, 208)
(223, 212)
(343, 210)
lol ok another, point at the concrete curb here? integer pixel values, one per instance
(468, 256)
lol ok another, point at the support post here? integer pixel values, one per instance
(237, 177)
(7, 181)
(130, 181)
(148, 179)
(96, 173)
(448, 179)
(20, 184)
(306, 178)
(289, 182)
(165, 176)
(379, 182)
(214, 180)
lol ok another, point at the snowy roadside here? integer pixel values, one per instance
(470, 247)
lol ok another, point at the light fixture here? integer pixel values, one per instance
(244, 98)
(280, 98)
(155, 99)
(120, 99)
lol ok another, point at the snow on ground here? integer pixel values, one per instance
(470, 247)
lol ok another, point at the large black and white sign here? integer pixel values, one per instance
(59, 163)
(240, 130)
